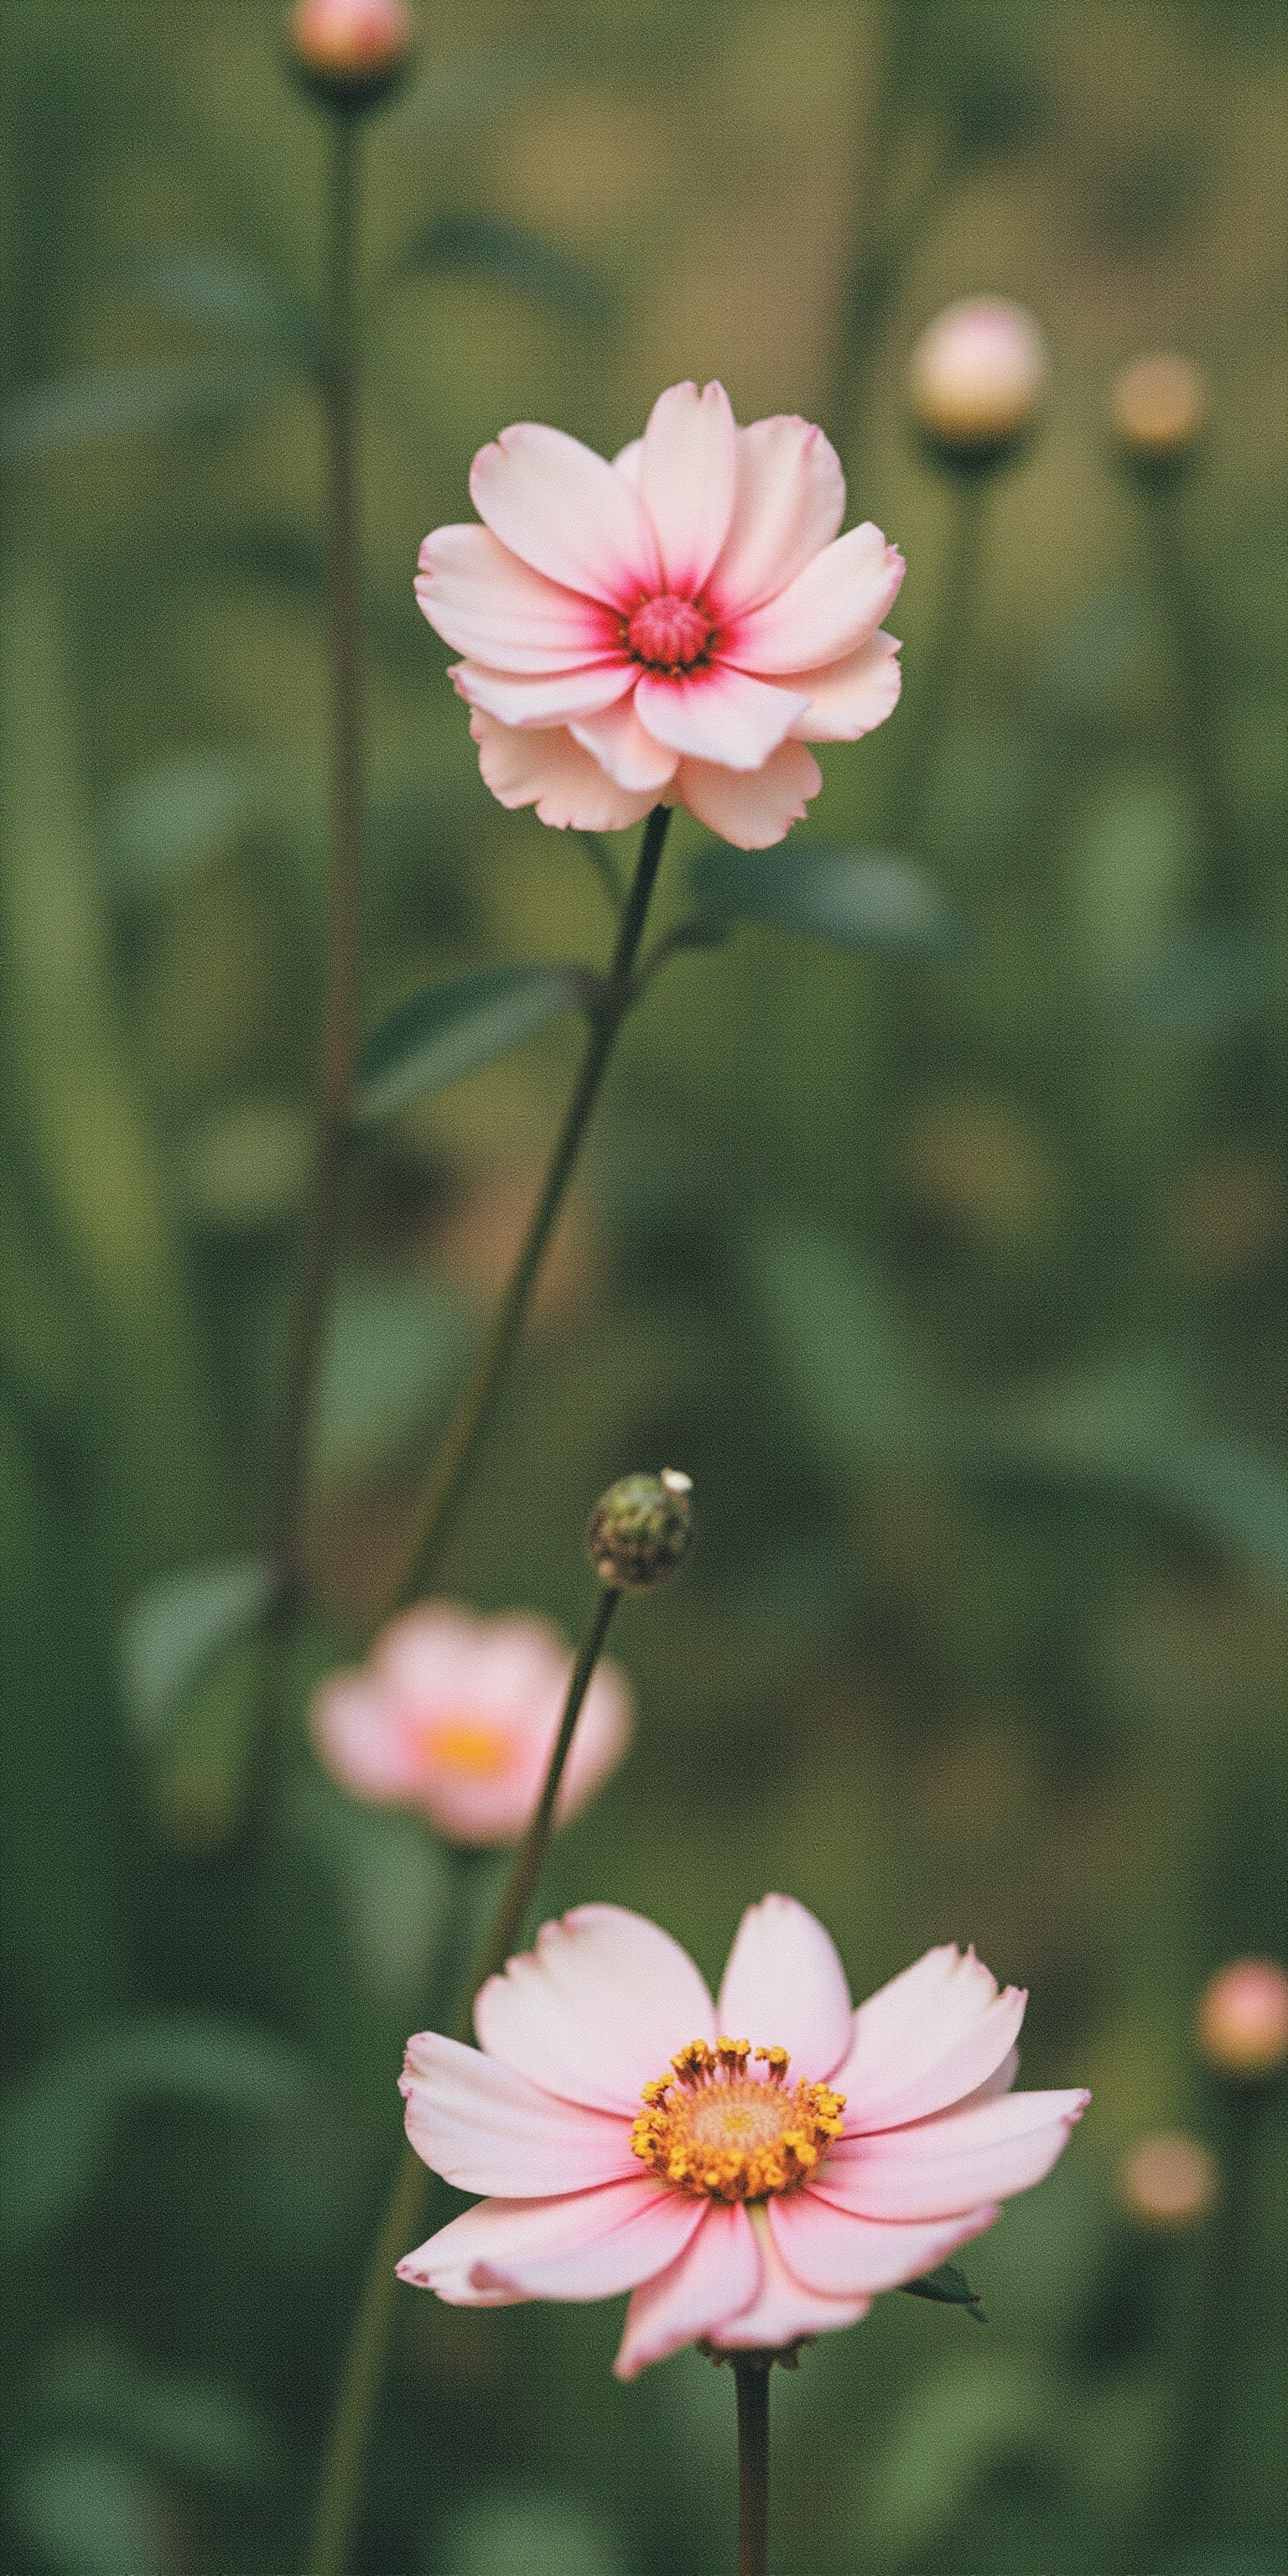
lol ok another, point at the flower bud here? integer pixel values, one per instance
(1168, 2182)
(641, 1530)
(976, 379)
(351, 54)
(1241, 2026)
(1157, 407)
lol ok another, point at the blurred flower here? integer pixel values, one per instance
(351, 52)
(1157, 406)
(458, 1716)
(976, 377)
(672, 628)
(771, 2204)
(1241, 2026)
(1168, 2182)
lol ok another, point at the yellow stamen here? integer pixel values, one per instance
(467, 1744)
(716, 2130)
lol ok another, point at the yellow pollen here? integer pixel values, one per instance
(466, 1744)
(717, 2129)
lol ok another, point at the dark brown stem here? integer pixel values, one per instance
(751, 2377)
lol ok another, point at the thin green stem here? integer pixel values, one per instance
(751, 2378)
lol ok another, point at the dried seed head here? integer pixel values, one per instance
(641, 1530)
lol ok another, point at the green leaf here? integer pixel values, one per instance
(168, 820)
(178, 1629)
(200, 286)
(862, 1389)
(949, 2285)
(478, 246)
(855, 898)
(190, 2425)
(152, 395)
(1206, 984)
(394, 1349)
(83, 2505)
(454, 1028)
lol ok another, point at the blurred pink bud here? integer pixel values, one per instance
(1241, 2026)
(351, 52)
(1168, 2182)
(457, 1716)
(668, 629)
(976, 377)
(1158, 405)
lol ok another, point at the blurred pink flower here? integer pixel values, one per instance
(458, 1715)
(670, 629)
(624, 2144)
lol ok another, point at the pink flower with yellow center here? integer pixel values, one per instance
(671, 628)
(750, 2188)
(458, 1715)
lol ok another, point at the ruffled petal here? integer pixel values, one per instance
(361, 1741)
(487, 603)
(630, 755)
(553, 696)
(597, 2010)
(686, 481)
(651, 2231)
(785, 1987)
(825, 613)
(790, 501)
(718, 2274)
(567, 513)
(846, 699)
(830, 2249)
(554, 773)
(929, 2038)
(487, 2129)
(718, 714)
(944, 2167)
(751, 808)
(784, 2308)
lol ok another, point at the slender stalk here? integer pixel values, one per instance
(929, 710)
(473, 1414)
(340, 2487)
(751, 2377)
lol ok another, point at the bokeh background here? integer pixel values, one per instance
(958, 1286)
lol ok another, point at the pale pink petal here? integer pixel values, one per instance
(784, 2308)
(568, 514)
(830, 2248)
(604, 1730)
(627, 462)
(483, 600)
(752, 808)
(686, 481)
(1000, 2081)
(785, 1987)
(550, 696)
(352, 1729)
(628, 753)
(651, 2232)
(789, 504)
(482, 1808)
(951, 2164)
(717, 2275)
(552, 772)
(826, 612)
(846, 699)
(623, 2231)
(927, 2040)
(716, 713)
(485, 2128)
(597, 2010)
(422, 1655)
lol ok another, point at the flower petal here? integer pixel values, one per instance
(551, 695)
(828, 610)
(831, 2249)
(718, 2274)
(352, 1729)
(751, 808)
(790, 501)
(783, 2307)
(597, 2010)
(630, 755)
(651, 2230)
(716, 713)
(686, 481)
(846, 699)
(568, 514)
(627, 462)
(926, 2040)
(485, 2128)
(952, 2164)
(551, 771)
(785, 1987)
(485, 602)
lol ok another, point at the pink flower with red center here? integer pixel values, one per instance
(671, 628)
(756, 2169)
(458, 1716)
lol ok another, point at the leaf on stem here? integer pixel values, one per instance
(473, 245)
(949, 2285)
(855, 898)
(124, 402)
(176, 1631)
(454, 1028)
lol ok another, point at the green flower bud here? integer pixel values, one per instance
(641, 1530)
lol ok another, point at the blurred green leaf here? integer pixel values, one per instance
(155, 394)
(947, 2284)
(454, 1028)
(958, 2423)
(201, 286)
(186, 2424)
(1205, 985)
(178, 1629)
(861, 1387)
(168, 820)
(1130, 866)
(475, 245)
(85, 2508)
(395, 1347)
(394, 1880)
(544, 2535)
(855, 898)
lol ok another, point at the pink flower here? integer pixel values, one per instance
(670, 629)
(749, 2191)
(458, 1716)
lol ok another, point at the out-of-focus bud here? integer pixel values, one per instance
(1158, 405)
(1241, 2026)
(976, 379)
(641, 1530)
(351, 54)
(1168, 2182)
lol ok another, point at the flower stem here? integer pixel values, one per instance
(340, 2486)
(751, 2378)
(473, 1413)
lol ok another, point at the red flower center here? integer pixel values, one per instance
(669, 634)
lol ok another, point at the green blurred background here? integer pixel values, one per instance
(957, 1287)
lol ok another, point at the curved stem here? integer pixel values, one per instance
(751, 2377)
